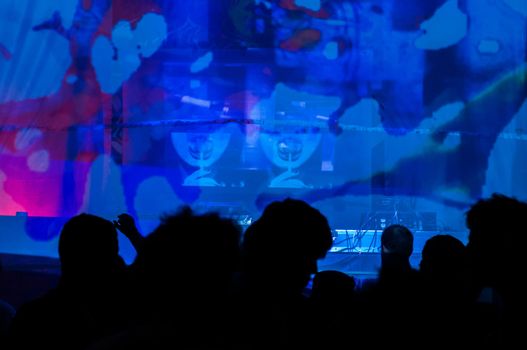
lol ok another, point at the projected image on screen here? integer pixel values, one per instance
(358, 107)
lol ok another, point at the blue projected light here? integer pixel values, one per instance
(117, 59)
(313, 5)
(202, 63)
(489, 46)
(331, 50)
(33, 60)
(447, 27)
(111, 106)
(517, 5)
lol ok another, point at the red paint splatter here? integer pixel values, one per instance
(86, 4)
(267, 71)
(5, 52)
(244, 101)
(301, 39)
(290, 5)
(72, 104)
(126, 10)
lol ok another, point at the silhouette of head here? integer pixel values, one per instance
(497, 240)
(88, 248)
(442, 257)
(285, 243)
(397, 240)
(397, 243)
(189, 253)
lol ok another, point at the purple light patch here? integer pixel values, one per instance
(5, 52)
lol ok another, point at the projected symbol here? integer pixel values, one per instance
(200, 150)
(289, 151)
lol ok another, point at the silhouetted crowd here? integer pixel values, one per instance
(198, 283)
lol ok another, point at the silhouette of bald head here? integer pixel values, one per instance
(397, 240)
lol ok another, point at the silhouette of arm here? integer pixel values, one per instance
(126, 224)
